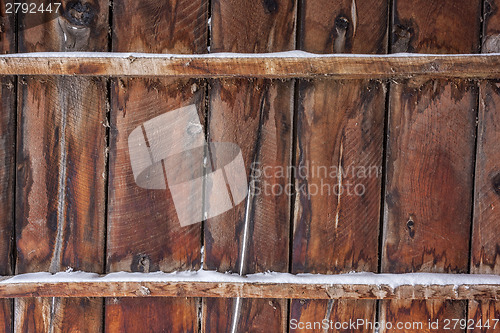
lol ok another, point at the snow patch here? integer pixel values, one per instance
(392, 280)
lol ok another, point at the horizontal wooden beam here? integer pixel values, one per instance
(285, 65)
(275, 285)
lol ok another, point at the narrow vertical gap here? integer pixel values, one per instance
(106, 192)
(206, 96)
(13, 253)
(293, 191)
(108, 141)
(382, 196)
(293, 160)
(16, 145)
(390, 22)
(384, 176)
(474, 160)
(482, 31)
(110, 24)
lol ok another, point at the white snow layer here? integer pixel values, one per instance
(392, 280)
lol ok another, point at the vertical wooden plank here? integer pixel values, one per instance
(257, 116)
(340, 130)
(430, 154)
(144, 232)
(7, 162)
(61, 163)
(485, 254)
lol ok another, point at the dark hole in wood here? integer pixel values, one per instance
(411, 227)
(78, 13)
(495, 183)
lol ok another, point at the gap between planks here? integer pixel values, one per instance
(284, 65)
(352, 286)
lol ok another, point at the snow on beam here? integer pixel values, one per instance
(263, 285)
(284, 65)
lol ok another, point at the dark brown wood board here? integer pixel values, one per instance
(7, 162)
(486, 222)
(338, 165)
(257, 116)
(430, 156)
(144, 233)
(61, 163)
(485, 249)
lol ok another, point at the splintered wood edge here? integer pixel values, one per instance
(247, 290)
(486, 66)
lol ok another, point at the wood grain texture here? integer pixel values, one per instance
(485, 244)
(485, 247)
(340, 129)
(430, 152)
(257, 116)
(7, 162)
(419, 312)
(61, 163)
(266, 65)
(144, 233)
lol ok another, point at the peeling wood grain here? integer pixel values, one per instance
(144, 233)
(61, 160)
(256, 115)
(340, 128)
(7, 163)
(430, 155)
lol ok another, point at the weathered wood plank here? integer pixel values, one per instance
(144, 233)
(257, 116)
(340, 130)
(485, 254)
(7, 162)
(430, 155)
(61, 168)
(266, 65)
(147, 293)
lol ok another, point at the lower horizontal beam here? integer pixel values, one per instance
(271, 285)
(284, 65)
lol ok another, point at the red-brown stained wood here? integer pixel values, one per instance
(338, 164)
(257, 116)
(7, 163)
(61, 160)
(430, 152)
(485, 254)
(144, 233)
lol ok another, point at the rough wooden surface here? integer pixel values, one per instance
(340, 125)
(7, 163)
(485, 249)
(144, 233)
(430, 152)
(271, 66)
(256, 115)
(61, 160)
(135, 295)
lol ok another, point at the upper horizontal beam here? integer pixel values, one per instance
(284, 65)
